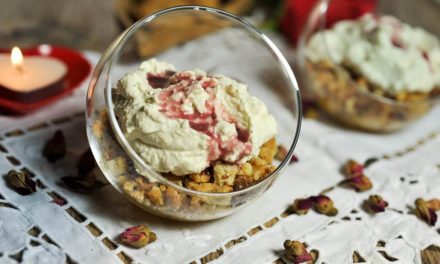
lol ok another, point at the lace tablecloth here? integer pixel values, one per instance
(33, 229)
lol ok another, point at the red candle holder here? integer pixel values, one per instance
(78, 68)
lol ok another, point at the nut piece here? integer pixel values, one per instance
(137, 236)
(225, 174)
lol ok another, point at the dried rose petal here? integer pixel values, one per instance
(21, 182)
(137, 236)
(424, 212)
(353, 169)
(324, 205)
(294, 159)
(55, 148)
(281, 153)
(301, 206)
(376, 203)
(296, 252)
(360, 183)
(86, 162)
(82, 184)
(59, 201)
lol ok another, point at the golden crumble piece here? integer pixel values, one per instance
(258, 162)
(195, 203)
(224, 189)
(143, 184)
(243, 181)
(201, 187)
(98, 129)
(200, 177)
(268, 150)
(225, 174)
(245, 169)
(122, 179)
(173, 198)
(155, 196)
(132, 189)
(262, 172)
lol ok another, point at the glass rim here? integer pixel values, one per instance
(317, 15)
(110, 55)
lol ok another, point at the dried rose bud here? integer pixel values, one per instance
(21, 182)
(359, 183)
(296, 252)
(324, 205)
(376, 203)
(86, 162)
(281, 153)
(55, 148)
(301, 206)
(137, 236)
(424, 212)
(353, 169)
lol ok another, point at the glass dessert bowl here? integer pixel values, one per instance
(375, 72)
(190, 133)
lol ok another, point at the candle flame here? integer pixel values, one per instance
(17, 58)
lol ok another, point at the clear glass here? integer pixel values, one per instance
(247, 51)
(347, 100)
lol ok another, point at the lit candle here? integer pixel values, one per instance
(30, 79)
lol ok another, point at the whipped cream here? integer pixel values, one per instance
(389, 53)
(182, 122)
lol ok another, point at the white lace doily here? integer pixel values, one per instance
(85, 229)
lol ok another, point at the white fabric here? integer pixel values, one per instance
(322, 149)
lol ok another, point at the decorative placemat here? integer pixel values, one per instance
(57, 225)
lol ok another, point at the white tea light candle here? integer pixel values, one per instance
(31, 78)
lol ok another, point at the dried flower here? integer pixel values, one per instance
(360, 183)
(294, 159)
(86, 162)
(353, 169)
(425, 212)
(59, 201)
(376, 203)
(301, 206)
(137, 236)
(281, 153)
(55, 148)
(21, 182)
(296, 252)
(82, 184)
(324, 205)
(434, 204)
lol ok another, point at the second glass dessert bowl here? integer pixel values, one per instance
(369, 72)
(220, 44)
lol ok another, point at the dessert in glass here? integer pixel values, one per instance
(376, 73)
(193, 139)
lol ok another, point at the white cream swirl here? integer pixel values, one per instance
(181, 122)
